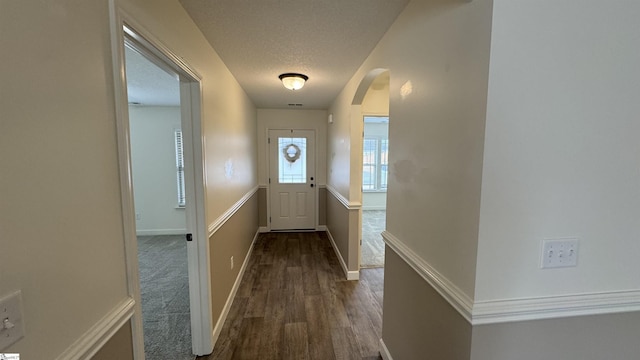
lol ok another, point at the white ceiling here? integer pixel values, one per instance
(258, 40)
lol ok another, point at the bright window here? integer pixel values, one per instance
(180, 168)
(375, 154)
(292, 163)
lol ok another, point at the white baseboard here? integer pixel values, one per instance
(350, 275)
(227, 306)
(161, 232)
(263, 229)
(321, 228)
(99, 334)
(384, 352)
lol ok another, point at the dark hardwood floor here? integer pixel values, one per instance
(294, 303)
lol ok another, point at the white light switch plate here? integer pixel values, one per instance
(11, 311)
(559, 253)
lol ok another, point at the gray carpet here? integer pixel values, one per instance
(373, 223)
(164, 284)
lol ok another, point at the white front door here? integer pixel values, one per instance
(292, 190)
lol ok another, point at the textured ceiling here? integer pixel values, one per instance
(326, 40)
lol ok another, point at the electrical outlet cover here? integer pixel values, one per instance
(11, 311)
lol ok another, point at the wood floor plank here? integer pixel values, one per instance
(309, 274)
(246, 285)
(262, 281)
(305, 244)
(296, 342)
(248, 346)
(230, 332)
(272, 342)
(338, 314)
(294, 303)
(273, 336)
(256, 304)
(295, 296)
(293, 251)
(345, 346)
(319, 330)
(356, 299)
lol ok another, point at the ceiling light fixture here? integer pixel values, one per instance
(293, 81)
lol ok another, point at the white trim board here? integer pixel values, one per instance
(217, 224)
(227, 306)
(100, 333)
(350, 205)
(510, 310)
(550, 307)
(384, 352)
(351, 275)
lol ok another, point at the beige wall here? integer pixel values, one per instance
(61, 229)
(417, 322)
(338, 225)
(234, 238)
(60, 218)
(263, 221)
(118, 347)
(322, 205)
(343, 225)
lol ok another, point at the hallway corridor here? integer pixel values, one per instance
(294, 303)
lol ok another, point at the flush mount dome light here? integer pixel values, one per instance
(293, 81)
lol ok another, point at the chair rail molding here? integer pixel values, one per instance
(350, 205)
(448, 290)
(100, 333)
(217, 224)
(521, 309)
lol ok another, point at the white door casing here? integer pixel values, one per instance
(292, 181)
(125, 27)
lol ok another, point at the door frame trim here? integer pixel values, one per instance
(191, 114)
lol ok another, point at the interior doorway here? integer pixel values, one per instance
(157, 166)
(193, 234)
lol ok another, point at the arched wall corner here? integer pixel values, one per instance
(365, 84)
